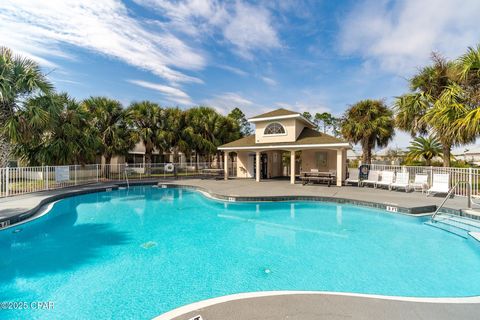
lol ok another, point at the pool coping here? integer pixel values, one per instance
(411, 211)
(201, 305)
(32, 213)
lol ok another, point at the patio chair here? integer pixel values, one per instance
(372, 179)
(420, 183)
(440, 184)
(353, 176)
(401, 181)
(387, 179)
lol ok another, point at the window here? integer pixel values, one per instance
(321, 159)
(274, 128)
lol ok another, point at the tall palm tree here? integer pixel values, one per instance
(53, 130)
(19, 79)
(437, 102)
(109, 120)
(370, 123)
(145, 119)
(200, 121)
(425, 148)
(469, 66)
(175, 134)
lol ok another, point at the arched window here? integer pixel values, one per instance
(274, 128)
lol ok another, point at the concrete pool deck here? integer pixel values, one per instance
(303, 306)
(325, 306)
(21, 207)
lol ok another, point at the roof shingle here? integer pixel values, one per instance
(276, 113)
(307, 137)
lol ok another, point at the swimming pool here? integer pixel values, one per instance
(136, 253)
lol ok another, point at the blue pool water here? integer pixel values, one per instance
(134, 254)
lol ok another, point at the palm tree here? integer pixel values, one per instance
(469, 66)
(176, 135)
(370, 123)
(424, 148)
(437, 102)
(145, 119)
(53, 130)
(109, 119)
(19, 79)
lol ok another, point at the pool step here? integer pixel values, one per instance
(460, 222)
(451, 229)
(459, 226)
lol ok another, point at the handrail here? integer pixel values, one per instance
(126, 177)
(469, 203)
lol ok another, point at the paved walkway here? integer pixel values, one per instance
(331, 307)
(250, 188)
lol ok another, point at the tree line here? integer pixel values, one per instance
(43, 127)
(441, 111)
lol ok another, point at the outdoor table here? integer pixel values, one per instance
(309, 176)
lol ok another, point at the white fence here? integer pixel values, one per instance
(469, 175)
(20, 180)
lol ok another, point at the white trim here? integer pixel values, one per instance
(285, 132)
(248, 295)
(290, 116)
(291, 146)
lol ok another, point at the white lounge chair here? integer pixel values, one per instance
(401, 181)
(387, 179)
(372, 179)
(440, 184)
(353, 176)
(420, 183)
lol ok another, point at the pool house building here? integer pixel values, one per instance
(286, 144)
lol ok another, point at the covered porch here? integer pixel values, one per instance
(288, 162)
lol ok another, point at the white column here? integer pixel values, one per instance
(225, 163)
(339, 167)
(257, 165)
(292, 167)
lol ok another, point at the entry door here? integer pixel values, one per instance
(264, 166)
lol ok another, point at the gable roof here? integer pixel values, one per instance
(276, 113)
(307, 138)
(282, 114)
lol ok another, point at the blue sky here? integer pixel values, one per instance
(311, 56)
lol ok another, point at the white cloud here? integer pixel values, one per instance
(269, 81)
(247, 27)
(250, 28)
(238, 71)
(171, 94)
(400, 36)
(38, 28)
(225, 102)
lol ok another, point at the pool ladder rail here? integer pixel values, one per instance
(125, 173)
(460, 226)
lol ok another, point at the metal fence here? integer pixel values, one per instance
(20, 180)
(469, 175)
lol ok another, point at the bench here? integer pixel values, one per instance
(317, 177)
(212, 173)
